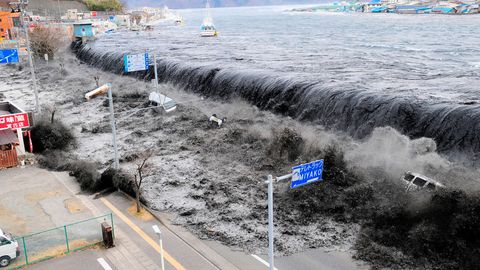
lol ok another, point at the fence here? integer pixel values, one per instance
(58, 241)
(8, 158)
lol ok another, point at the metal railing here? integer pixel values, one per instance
(58, 241)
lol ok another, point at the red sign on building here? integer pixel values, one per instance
(14, 121)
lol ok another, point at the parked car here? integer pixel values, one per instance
(9, 249)
(414, 181)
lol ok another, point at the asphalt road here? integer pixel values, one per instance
(85, 259)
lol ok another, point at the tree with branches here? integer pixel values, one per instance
(142, 170)
(47, 40)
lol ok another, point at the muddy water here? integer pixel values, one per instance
(352, 72)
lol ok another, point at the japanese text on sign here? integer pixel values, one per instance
(135, 62)
(14, 121)
(307, 173)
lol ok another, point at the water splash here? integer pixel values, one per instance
(455, 128)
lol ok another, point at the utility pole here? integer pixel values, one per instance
(23, 5)
(59, 11)
(114, 129)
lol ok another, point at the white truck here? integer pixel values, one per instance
(9, 249)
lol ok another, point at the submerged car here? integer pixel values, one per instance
(415, 181)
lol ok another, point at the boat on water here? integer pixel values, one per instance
(208, 28)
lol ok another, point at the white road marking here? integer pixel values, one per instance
(104, 264)
(262, 261)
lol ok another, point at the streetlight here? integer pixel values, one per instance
(101, 90)
(159, 233)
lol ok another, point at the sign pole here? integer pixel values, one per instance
(156, 76)
(270, 221)
(301, 175)
(156, 73)
(114, 129)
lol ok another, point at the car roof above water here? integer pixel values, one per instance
(427, 179)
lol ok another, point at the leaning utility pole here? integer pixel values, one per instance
(22, 5)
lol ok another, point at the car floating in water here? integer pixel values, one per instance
(415, 181)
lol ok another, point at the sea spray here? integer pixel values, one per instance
(455, 128)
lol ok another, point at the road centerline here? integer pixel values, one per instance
(142, 234)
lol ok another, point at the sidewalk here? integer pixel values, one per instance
(126, 254)
(80, 260)
(136, 243)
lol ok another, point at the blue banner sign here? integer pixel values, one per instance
(307, 173)
(8, 56)
(135, 62)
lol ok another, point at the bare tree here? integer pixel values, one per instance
(142, 170)
(52, 109)
(46, 40)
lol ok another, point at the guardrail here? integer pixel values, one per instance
(58, 241)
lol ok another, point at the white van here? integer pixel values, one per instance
(9, 249)
(414, 181)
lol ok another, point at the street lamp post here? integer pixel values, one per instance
(101, 90)
(116, 164)
(159, 233)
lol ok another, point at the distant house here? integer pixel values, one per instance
(372, 5)
(412, 9)
(8, 21)
(83, 30)
(72, 14)
(4, 5)
(443, 9)
(121, 20)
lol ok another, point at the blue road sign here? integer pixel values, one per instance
(8, 56)
(135, 62)
(307, 173)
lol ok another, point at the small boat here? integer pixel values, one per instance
(178, 20)
(208, 28)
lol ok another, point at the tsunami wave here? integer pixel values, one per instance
(454, 127)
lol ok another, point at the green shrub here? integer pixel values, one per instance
(104, 5)
(286, 144)
(118, 179)
(54, 160)
(85, 173)
(50, 136)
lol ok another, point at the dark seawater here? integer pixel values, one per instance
(354, 72)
